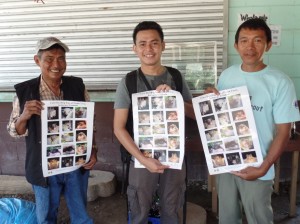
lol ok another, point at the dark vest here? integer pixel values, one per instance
(73, 90)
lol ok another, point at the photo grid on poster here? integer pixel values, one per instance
(159, 126)
(67, 132)
(228, 131)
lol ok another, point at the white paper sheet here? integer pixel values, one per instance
(67, 134)
(227, 130)
(158, 120)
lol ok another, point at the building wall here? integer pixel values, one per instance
(13, 151)
(285, 57)
(99, 35)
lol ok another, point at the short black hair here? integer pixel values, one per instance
(254, 24)
(147, 25)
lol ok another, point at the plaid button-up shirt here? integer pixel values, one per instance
(45, 94)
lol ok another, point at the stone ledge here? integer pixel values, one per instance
(195, 214)
(101, 184)
(14, 185)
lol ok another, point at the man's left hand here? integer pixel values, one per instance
(249, 173)
(92, 162)
(163, 88)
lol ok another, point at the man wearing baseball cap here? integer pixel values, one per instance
(25, 121)
(47, 42)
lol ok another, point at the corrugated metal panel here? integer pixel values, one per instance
(99, 34)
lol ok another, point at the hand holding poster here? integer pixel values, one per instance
(67, 134)
(158, 120)
(227, 130)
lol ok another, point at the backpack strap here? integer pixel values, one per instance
(131, 83)
(131, 80)
(141, 74)
(177, 78)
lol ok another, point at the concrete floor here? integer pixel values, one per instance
(280, 204)
(112, 210)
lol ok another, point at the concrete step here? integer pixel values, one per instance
(101, 184)
(14, 185)
(195, 214)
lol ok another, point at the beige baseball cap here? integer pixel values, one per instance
(48, 42)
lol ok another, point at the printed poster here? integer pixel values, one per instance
(67, 134)
(158, 119)
(227, 130)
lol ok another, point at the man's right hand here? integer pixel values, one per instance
(30, 108)
(211, 90)
(154, 166)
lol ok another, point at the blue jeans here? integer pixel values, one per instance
(73, 186)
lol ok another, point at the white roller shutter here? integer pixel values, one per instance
(99, 34)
